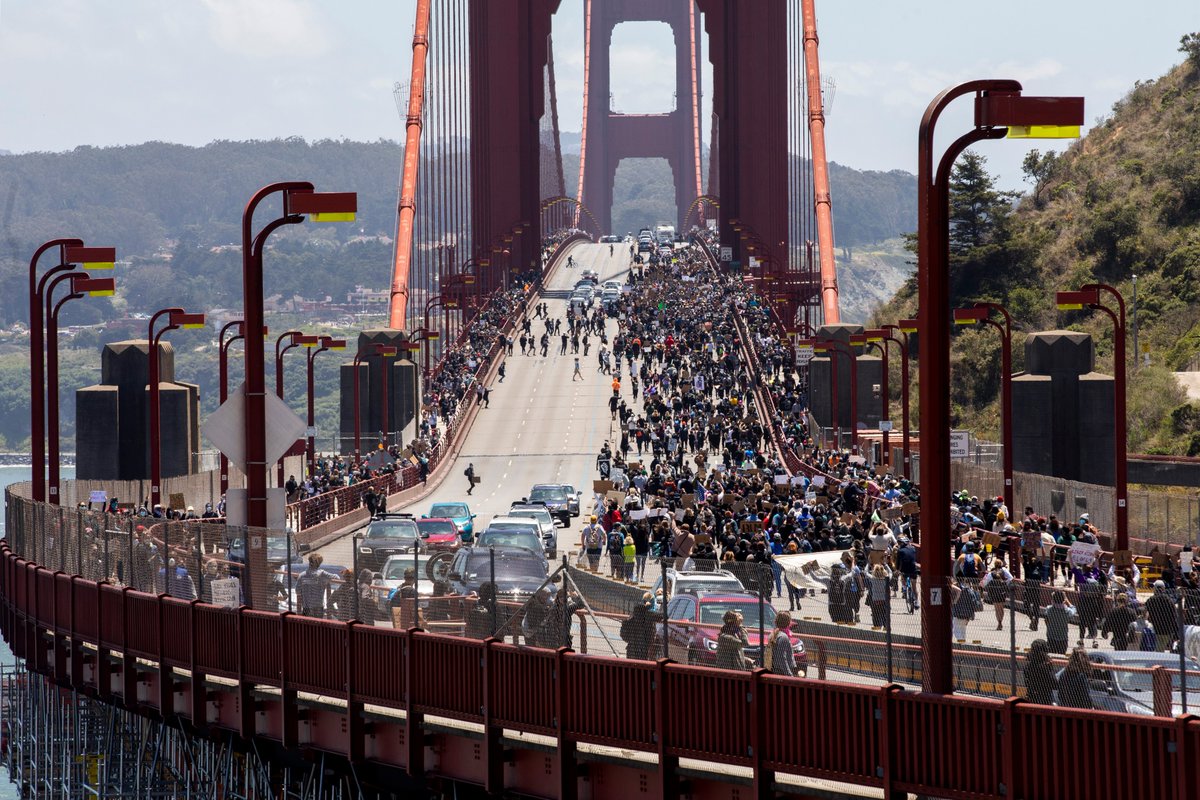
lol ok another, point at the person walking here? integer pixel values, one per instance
(1074, 688)
(880, 587)
(783, 656)
(577, 375)
(637, 631)
(962, 598)
(1040, 683)
(471, 479)
(995, 587)
(314, 588)
(502, 370)
(1058, 622)
(732, 642)
(1162, 616)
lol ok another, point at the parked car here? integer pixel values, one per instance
(439, 534)
(503, 532)
(388, 535)
(694, 622)
(555, 498)
(460, 513)
(1133, 692)
(694, 581)
(518, 573)
(538, 513)
(391, 575)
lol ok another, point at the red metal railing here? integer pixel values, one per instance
(955, 747)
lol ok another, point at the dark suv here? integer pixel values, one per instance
(555, 498)
(388, 535)
(518, 572)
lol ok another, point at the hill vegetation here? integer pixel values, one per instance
(1120, 203)
(173, 212)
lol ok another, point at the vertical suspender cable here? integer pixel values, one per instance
(397, 310)
(823, 205)
(695, 94)
(583, 137)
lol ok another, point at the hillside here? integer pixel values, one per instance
(1122, 202)
(173, 212)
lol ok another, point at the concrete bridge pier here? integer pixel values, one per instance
(867, 388)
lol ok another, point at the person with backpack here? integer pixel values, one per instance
(637, 631)
(963, 605)
(471, 479)
(1118, 622)
(593, 538)
(969, 564)
(995, 586)
(1141, 633)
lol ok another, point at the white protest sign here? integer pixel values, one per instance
(98, 496)
(960, 444)
(1083, 554)
(226, 592)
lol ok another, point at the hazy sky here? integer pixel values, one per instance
(108, 72)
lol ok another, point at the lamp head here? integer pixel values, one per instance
(908, 325)
(92, 257)
(1071, 301)
(323, 206)
(183, 319)
(93, 287)
(305, 340)
(969, 316)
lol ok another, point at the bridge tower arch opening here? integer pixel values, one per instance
(613, 133)
(643, 206)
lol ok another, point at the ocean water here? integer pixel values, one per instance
(11, 474)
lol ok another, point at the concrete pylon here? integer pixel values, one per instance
(404, 392)
(1063, 410)
(870, 374)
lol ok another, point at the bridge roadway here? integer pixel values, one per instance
(540, 426)
(553, 723)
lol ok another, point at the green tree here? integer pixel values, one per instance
(1039, 168)
(977, 208)
(1189, 45)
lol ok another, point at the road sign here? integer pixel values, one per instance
(225, 428)
(311, 431)
(804, 355)
(885, 424)
(960, 444)
(727, 254)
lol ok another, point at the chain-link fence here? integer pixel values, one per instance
(1067, 638)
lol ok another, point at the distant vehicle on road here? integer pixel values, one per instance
(508, 531)
(1133, 692)
(555, 498)
(538, 513)
(694, 622)
(388, 535)
(439, 534)
(518, 573)
(460, 513)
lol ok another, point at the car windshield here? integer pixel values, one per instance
(510, 537)
(1143, 681)
(712, 613)
(540, 514)
(393, 568)
(431, 527)
(708, 584)
(509, 564)
(392, 529)
(449, 510)
(544, 493)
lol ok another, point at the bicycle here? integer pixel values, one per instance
(908, 588)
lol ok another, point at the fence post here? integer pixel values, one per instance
(887, 621)
(666, 591)
(1160, 679)
(1012, 639)
(1182, 653)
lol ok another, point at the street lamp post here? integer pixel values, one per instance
(981, 312)
(293, 339)
(71, 252)
(1089, 295)
(327, 343)
(377, 349)
(298, 199)
(238, 330)
(81, 284)
(447, 303)
(176, 318)
(1000, 110)
(889, 336)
